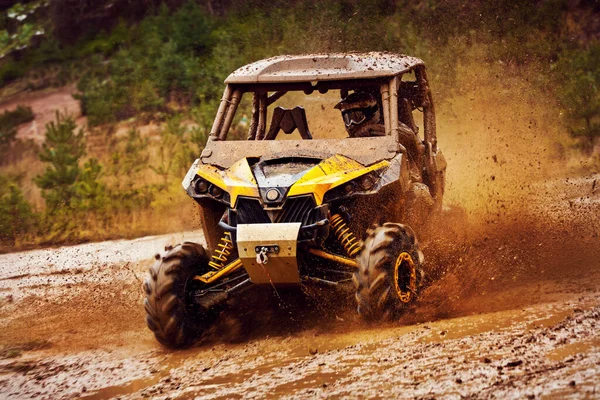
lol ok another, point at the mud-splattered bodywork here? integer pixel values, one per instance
(266, 191)
(306, 181)
(293, 197)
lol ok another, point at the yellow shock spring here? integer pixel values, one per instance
(345, 235)
(222, 252)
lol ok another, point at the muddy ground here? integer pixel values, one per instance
(512, 310)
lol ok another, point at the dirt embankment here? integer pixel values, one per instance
(44, 104)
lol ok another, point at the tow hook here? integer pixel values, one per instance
(262, 253)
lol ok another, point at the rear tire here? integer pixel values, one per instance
(389, 272)
(172, 317)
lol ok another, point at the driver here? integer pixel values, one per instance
(361, 115)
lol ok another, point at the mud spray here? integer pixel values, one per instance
(516, 228)
(515, 220)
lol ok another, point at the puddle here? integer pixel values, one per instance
(552, 320)
(458, 328)
(572, 349)
(132, 387)
(317, 379)
(167, 364)
(323, 343)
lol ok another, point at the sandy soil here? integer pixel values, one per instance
(511, 311)
(44, 104)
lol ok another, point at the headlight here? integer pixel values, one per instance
(362, 184)
(272, 194)
(215, 191)
(368, 181)
(201, 186)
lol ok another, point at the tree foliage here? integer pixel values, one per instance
(67, 187)
(61, 152)
(16, 216)
(21, 24)
(579, 74)
(162, 63)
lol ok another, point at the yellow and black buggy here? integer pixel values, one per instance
(289, 209)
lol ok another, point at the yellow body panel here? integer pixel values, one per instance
(238, 180)
(331, 173)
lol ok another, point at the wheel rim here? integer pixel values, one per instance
(403, 269)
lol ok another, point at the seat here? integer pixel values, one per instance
(288, 120)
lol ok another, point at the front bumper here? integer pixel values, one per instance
(281, 242)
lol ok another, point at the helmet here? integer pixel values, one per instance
(359, 109)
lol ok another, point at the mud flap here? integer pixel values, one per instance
(268, 252)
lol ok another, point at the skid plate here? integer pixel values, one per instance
(282, 266)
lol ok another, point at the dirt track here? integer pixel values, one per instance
(512, 312)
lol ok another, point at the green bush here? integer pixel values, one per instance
(75, 196)
(161, 61)
(89, 192)
(578, 70)
(104, 43)
(10, 70)
(99, 100)
(16, 215)
(192, 30)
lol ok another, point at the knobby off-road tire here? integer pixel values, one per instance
(175, 322)
(376, 294)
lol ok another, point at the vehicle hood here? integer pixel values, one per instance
(293, 176)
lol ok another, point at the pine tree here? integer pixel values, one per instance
(16, 215)
(62, 151)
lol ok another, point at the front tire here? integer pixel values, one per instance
(172, 317)
(389, 272)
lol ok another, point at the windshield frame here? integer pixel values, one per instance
(262, 100)
(217, 151)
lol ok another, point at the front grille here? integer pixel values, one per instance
(249, 211)
(295, 209)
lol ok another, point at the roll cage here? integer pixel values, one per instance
(398, 98)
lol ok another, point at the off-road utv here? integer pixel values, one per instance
(282, 209)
